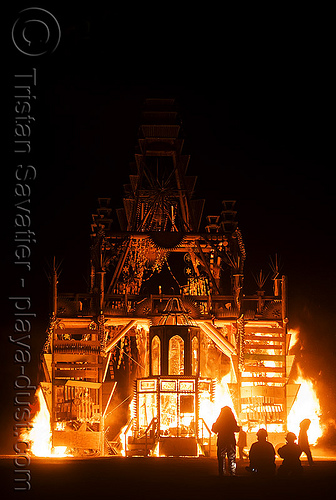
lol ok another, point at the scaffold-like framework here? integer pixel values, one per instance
(165, 317)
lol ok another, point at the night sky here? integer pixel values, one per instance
(255, 103)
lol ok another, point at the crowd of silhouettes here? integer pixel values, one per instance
(262, 453)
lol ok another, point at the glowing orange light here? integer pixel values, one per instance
(306, 405)
(209, 411)
(125, 433)
(40, 434)
(294, 338)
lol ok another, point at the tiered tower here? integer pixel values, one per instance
(165, 312)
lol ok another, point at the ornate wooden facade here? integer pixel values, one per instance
(156, 273)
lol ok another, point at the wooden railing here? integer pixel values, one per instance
(149, 435)
(201, 439)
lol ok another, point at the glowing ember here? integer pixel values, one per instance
(40, 434)
(306, 405)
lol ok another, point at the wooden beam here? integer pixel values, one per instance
(61, 346)
(83, 383)
(215, 335)
(263, 329)
(264, 338)
(76, 357)
(70, 364)
(74, 373)
(106, 362)
(120, 335)
(262, 346)
(110, 397)
(265, 357)
(264, 369)
(119, 267)
(274, 380)
(203, 259)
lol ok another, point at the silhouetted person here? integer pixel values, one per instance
(303, 439)
(241, 444)
(225, 427)
(290, 452)
(262, 455)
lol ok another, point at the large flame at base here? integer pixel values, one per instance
(306, 406)
(39, 435)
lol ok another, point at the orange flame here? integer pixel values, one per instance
(209, 411)
(305, 406)
(125, 432)
(294, 338)
(39, 435)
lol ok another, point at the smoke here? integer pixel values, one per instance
(327, 442)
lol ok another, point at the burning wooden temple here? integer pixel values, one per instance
(165, 321)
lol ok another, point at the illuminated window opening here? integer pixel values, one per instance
(194, 358)
(147, 409)
(187, 415)
(168, 414)
(176, 356)
(156, 356)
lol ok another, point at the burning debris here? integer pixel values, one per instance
(40, 435)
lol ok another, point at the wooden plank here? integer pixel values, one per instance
(265, 357)
(77, 439)
(275, 402)
(264, 329)
(76, 374)
(47, 368)
(74, 330)
(76, 357)
(275, 380)
(82, 369)
(263, 391)
(265, 369)
(262, 346)
(83, 383)
(77, 344)
(264, 338)
(83, 366)
(291, 393)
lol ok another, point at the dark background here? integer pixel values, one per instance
(255, 99)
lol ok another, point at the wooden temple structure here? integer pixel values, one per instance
(165, 318)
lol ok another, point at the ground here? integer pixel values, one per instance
(142, 478)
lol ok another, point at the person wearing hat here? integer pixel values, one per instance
(290, 453)
(262, 456)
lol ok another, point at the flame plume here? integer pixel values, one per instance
(306, 405)
(39, 435)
